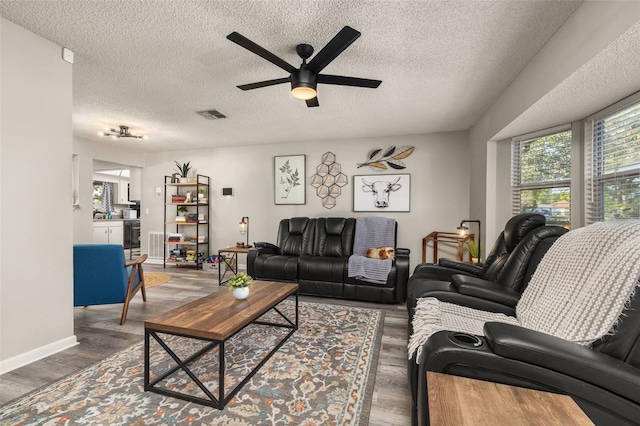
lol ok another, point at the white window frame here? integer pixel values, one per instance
(517, 186)
(593, 177)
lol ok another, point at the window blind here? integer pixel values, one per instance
(541, 176)
(613, 166)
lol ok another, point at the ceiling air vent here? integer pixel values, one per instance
(212, 114)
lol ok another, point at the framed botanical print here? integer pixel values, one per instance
(290, 179)
(381, 193)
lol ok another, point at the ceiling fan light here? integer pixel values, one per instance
(304, 93)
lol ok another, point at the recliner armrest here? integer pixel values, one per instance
(402, 273)
(267, 248)
(404, 252)
(483, 289)
(468, 268)
(565, 357)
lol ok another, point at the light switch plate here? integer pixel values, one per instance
(67, 55)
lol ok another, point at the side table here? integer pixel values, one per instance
(445, 238)
(228, 258)
(458, 401)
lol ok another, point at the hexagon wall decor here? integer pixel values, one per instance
(328, 180)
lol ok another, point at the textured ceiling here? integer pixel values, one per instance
(152, 64)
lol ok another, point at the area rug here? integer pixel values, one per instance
(324, 374)
(154, 279)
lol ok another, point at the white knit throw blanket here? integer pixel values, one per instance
(577, 292)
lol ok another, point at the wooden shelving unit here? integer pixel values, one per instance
(191, 253)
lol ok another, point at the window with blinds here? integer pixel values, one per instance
(613, 166)
(541, 176)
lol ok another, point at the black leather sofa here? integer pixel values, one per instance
(314, 252)
(514, 258)
(604, 379)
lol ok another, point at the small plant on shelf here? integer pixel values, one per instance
(183, 169)
(240, 280)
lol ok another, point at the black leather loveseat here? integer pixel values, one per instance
(314, 252)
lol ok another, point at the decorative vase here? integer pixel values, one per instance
(241, 292)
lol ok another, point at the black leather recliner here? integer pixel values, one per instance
(497, 286)
(501, 295)
(498, 295)
(515, 229)
(604, 380)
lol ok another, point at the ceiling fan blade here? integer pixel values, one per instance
(348, 81)
(312, 102)
(266, 83)
(260, 51)
(336, 46)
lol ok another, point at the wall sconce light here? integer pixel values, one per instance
(244, 228)
(462, 230)
(227, 192)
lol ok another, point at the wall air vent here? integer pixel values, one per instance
(212, 114)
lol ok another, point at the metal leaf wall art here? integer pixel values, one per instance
(381, 159)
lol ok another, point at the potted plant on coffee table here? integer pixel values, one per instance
(240, 284)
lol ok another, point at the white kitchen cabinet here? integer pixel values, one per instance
(135, 178)
(108, 232)
(122, 192)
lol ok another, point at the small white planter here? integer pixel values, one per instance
(241, 293)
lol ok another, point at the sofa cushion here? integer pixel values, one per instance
(325, 268)
(295, 236)
(334, 237)
(276, 267)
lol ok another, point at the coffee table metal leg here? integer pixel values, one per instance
(146, 359)
(223, 402)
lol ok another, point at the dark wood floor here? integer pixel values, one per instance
(100, 336)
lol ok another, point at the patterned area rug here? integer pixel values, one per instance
(154, 279)
(324, 374)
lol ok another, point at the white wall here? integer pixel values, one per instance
(439, 186)
(589, 30)
(88, 151)
(36, 274)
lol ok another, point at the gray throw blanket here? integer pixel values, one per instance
(372, 232)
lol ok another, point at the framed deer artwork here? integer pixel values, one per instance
(381, 193)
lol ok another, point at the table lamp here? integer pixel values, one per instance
(244, 227)
(462, 230)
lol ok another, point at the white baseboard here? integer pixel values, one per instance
(37, 354)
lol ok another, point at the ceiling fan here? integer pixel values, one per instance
(305, 79)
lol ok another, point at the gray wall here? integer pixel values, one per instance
(36, 274)
(439, 186)
(590, 29)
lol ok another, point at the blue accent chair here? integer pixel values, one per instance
(101, 276)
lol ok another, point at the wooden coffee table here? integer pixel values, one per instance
(215, 319)
(462, 401)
